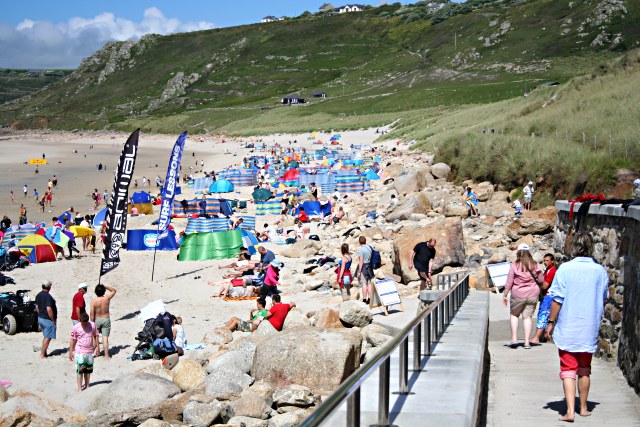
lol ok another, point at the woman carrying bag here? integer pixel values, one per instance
(344, 278)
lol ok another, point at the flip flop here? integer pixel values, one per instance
(513, 344)
(527, 347)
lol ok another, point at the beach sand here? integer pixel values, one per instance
(182, 285)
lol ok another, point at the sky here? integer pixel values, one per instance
(59, 34)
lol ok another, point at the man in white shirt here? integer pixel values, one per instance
(528, 195)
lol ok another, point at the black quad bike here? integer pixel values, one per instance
(18, 311)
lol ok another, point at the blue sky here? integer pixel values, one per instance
(58, 34)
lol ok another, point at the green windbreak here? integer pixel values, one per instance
(213, 245)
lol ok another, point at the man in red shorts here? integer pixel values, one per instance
(579, 291)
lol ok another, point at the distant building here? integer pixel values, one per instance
(269, 19)
(293, 99)
(318, 95)
(434, 7)
(350, 8)
(35, 73)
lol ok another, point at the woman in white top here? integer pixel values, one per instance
(178, 333)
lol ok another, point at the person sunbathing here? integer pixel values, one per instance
(240, 262)
(243, 269)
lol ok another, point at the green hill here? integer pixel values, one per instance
(16, 83)
(378, 63)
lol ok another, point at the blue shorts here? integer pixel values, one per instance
(543, 312)
(48, 328)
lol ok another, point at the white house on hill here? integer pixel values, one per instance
(350, 8)
(269, 19)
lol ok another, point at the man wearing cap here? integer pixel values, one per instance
(47, 317)
(78, 305)
(528, 195)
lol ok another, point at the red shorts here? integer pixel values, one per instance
(574, 364)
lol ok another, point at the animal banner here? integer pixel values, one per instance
(168, 190)
(116, 218)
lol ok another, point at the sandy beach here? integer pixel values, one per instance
(182, 285)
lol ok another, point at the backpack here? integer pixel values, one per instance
(376, 260)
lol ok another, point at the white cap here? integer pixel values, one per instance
(523, 247)
(83, 286)
(636, 182)
(530, 182)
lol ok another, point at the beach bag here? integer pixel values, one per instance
(376, 260)
(164, 346)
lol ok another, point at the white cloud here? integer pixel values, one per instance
(43, 44)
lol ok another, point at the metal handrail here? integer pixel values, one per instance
(433, 316)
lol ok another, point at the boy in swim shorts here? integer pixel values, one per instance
(84, 341)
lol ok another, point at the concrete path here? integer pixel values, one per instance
(444, 392)
(525, 390)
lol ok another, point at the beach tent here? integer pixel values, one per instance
(261, 194)
(370, 175)
(225, 208)
(207, 225)
(143, 208)
(99, 218)
(270, 207)
(64, 217)
(146, 240)
(221, 186)
(312, 208)
(207, 246)
(291, 175)
(250, 241)
(140, 197)
(37, 249)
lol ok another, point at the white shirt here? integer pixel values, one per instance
(180, 338)
(581, 286)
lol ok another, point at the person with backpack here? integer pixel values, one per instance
(365, 270)
(421, 258)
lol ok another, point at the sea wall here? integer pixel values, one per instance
(617, 248)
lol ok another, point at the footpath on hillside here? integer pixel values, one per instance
(525, 390)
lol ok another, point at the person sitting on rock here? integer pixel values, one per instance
(302, 216)
(256, 315)
(471, 201)
(338, 215)
(278, 312)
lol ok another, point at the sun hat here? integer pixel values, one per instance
(46, 284)
(83, 286)
(523, 247)
(276, 263)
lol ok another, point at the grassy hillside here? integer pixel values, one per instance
(570, 139)
(379, 63)
(16, 83)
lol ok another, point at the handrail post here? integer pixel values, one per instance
(353, 409)
(436, 323)
(417, 336)
(383, 393)
(428, 325)
(404, 366)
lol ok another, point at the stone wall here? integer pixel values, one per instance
(617, 248)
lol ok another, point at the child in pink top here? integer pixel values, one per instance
(84, 342)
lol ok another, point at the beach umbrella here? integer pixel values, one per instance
(261, 194)
(99, 218)
(294, 164)
(291, 175)
(221, 186)
(141, 197)
(249, 241)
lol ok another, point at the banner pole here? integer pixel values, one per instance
(153, 266)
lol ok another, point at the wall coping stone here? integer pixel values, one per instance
(609, 210)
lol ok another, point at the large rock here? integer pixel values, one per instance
(239, 359)
(318, 359)
(295, 319)
(226, 385)
(523, 226)
(416, 203)
(218, 336)
(295, 395)
(24, 409)
(449, 247)
(451, 209)
(251, 405)
(378, 340)
(355, 313)
(134, 391)
(290, 419)
(384, 199)
(412, 180)
(247, 422)
(328, 318)
(497, 209)
(187, 374)
(265, 329)
(484, 191)
(301, 249)
(440, 170)
(152, 422)
(201, 414)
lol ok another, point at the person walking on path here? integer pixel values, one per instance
(528, 195)
(101, 317)
(579, 290)
(84, 340)
(421, 258)
(24, 190)
(545, 303)
(522, 284)
(78, 304)
(12, 197)
(47, 317)
(365, 272)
